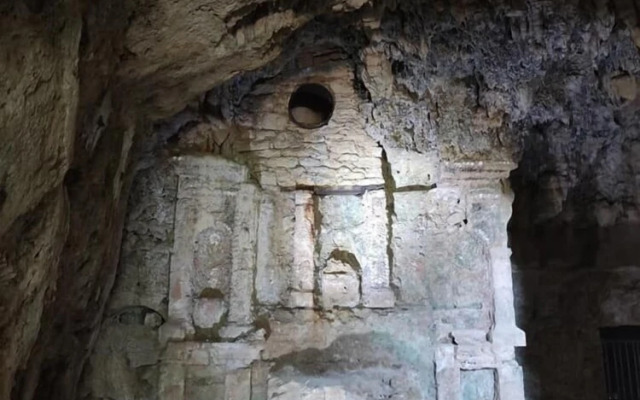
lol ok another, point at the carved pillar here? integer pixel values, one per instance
(488, 199)
(242, 264)
(202, 250)
(245, 225)
(447, 373)
(302, 271)
(376, 291)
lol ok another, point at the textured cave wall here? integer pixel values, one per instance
(574, 231)
(70, 119)
(549, 85)
(304, 257)
(68, 123)
(575, 227)
(40, 95)
(60, 192)
(473, 77)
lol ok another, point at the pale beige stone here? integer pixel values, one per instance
(625, 87)
(306, 116)
(244, 257)
(237, 385)
(302, 272)
(340, 285)
(208, 312)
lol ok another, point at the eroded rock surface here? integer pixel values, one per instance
(297, 260)
(435, 104)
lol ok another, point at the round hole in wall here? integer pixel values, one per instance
(311, 105)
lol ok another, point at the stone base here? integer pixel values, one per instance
(508, 336)
(173, 331)
(378, 298)
(300, 300)
(234, 331)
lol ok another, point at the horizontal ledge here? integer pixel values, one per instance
(335, 190)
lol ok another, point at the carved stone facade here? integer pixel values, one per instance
(95, 93)
(324, 264)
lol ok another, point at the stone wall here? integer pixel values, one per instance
(284, 154)
(80, 87)
(127, 352)
(304, 264)
(551, 83)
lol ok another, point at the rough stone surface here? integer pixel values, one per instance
(478, 384)
(37, 119)
(90, 92)
(316, 298)
(208, 312)
(340, 285)
(280, 152)
(274, 252)
(302, 243)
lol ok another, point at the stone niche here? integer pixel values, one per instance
(306, 267)
(286, 155)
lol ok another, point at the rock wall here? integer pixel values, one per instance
(562, 312)
(37, 120)
(301, 256)
(72, 116)
(575, 223)
(127, 351)
(575, 260)
(444, 93)
(446, 118)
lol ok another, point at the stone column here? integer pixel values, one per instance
(266, 278)
(490, 198)
(447, 373)
(303, 268)
(180, 296)
(510, 381)
(489, 209)
(244, 255)
(376, 291)
(505, 332)
(171, 381)
(505, 335)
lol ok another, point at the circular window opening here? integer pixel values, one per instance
(311, 105)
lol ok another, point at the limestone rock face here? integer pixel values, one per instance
(340, 285)
(37, 119)
(258, 259)
(300, 256)
(178, 50)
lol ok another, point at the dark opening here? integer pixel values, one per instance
(621, 357)
(311, 105)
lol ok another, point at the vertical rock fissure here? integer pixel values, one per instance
(317, 230)
(389, 189)
(173, 238)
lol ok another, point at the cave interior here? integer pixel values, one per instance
(344, 200)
